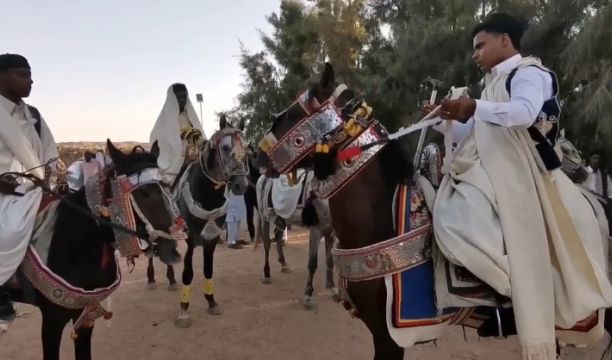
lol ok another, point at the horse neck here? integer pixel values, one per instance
(80, 250)
(362, 212)
(204, 191)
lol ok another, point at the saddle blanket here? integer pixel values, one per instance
(412, 315)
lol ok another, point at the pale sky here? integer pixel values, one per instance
(101, 68)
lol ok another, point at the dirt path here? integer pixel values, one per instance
(260, 321)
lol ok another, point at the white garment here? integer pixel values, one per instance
(167, 132)
(21, 149)
(594, 182)
(75, 177)
(285, 197)
(531, 87)
(552, 260)
(236, 208)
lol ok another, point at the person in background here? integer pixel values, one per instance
(599, 179)
(91, 166)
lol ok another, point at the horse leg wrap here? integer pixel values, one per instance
(208, 287)
(186, 294)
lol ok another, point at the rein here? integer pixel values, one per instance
(62, 198)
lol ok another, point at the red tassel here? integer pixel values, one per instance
(349, 153)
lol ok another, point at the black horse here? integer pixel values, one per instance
(82, 248)
(200, 195)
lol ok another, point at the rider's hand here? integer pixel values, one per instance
(461, 109)
(427, 108)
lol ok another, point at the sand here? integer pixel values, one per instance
(260, 321)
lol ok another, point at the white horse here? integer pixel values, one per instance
(280, 203)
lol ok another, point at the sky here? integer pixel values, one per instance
(101, 68)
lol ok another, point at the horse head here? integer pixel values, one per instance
(224, 157)
(296, 131)
(135, 178)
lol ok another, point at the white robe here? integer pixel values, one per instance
(526, 232)
(167, 132)
(20, 149)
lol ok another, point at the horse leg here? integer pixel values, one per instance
(250, 214)
(150, 275)
(280, 226)
(313, 253)
(370, 299)
(208, 287)
(82, 342)
(53, 322)
(265, 235)
(183, 319)
(329, 261)
(172, 285)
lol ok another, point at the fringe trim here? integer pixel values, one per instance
(544, 351)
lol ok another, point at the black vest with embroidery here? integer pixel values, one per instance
(550, 113)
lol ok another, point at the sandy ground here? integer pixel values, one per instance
(260, 321)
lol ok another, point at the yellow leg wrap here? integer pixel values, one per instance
(186, 294)
(208, 287)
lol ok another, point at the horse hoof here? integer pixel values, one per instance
(285, 270)
(266, 280)
(183, 321)
(173, 287)
(215, 310)
(309, 304)
(151, 286)
(334, 294)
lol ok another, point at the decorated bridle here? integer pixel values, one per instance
(328, 128)
(110, 195)
(234, 166)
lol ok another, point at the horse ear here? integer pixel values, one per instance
(328, 77)
(241, 124)
(155, 149)
(115, 154)
(223, 122)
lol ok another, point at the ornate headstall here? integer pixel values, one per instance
(369, 143)
(232, 164)
(319, 121)
(113, 198)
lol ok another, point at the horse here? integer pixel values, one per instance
(81, 268)
(314, 214)
(200, 193)
(325, 122)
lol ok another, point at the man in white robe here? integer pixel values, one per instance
(505, 211)
(25, 143)
(598, 180)
(178, 132)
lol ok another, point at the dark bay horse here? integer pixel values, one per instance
(200, 194)
(81, 251)
(361, 209)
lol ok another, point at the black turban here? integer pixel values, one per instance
(11, 61)
(179, 87)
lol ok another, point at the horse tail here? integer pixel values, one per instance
(260, 197)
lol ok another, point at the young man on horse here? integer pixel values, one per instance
(26, 143)
(504, 210)
(178, 132)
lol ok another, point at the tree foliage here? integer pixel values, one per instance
(387, 49)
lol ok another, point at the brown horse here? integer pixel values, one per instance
(361, 209)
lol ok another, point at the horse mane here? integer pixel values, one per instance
(396, 164)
